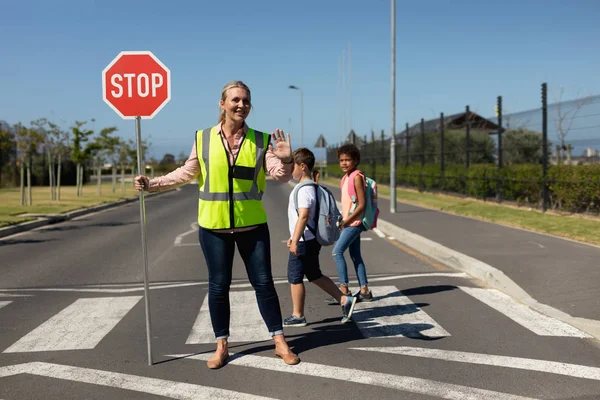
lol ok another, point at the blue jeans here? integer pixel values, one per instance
(254, 247)
(350, 239)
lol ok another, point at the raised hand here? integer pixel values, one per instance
(283, 147)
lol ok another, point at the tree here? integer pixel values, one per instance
(59, 144)
(181, 158)
(565, 116)
(481, 147)
(123, 151)
(522, 146)
(28, 141)
(7, 148)
(168, 159)
(132, 153)
(106, 145)
(79, 154)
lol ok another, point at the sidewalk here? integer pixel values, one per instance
(559, 273)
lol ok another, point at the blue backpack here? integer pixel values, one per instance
(371, 213)
(327, 214)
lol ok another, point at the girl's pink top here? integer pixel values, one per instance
(347, 203)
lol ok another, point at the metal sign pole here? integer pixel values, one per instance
(140, 162)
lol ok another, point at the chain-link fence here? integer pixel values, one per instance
(546, 157)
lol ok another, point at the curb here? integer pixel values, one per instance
(42, 221)
(492, 277)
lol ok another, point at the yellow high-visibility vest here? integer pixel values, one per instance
(230, 196)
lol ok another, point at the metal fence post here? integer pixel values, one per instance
(499, 180)
(406, 162)
(422, 154)
(374, 152)
(545, 144)
(468, 137)
(393, 130)
(442, 166)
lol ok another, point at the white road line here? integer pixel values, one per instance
(404, 383)
(249, 285)
(426, 275)
(4, 303)
(179, 237)
(154, 286)
(142, 384)
(379, 233)
(109, 290)
(392, 314)
(246, 323)
(82, 325)
(552, 367)
(523, 315)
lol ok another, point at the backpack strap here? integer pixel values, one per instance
(308, 182)
(351, 187)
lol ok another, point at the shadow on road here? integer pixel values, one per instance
(9, 242)
(76, 227)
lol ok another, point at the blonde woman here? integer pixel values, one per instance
(230, 161)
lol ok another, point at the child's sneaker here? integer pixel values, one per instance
(364, 297)
(294, 322)
(348, 309)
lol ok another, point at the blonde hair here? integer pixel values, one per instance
(231, 85)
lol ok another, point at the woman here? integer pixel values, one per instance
(230, 162)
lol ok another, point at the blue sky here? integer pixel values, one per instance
(449, 54)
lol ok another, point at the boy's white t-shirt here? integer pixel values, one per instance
(306, 199)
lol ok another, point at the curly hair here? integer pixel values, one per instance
(351, 150)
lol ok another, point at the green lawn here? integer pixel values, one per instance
(11, 211)
(585, 229)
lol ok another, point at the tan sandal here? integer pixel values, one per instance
(289, 358)
(217, 361)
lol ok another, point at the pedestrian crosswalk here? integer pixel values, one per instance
(392, 314)
(82, 325)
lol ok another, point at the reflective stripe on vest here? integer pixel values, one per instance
(230, 195)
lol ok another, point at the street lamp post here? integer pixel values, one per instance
(393, 133)
(301, 113)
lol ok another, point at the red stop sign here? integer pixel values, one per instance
(136, 84)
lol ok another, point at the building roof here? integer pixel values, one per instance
(453, 121)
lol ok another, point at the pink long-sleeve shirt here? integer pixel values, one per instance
(191, 169)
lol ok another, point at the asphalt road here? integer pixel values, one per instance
(72, 322)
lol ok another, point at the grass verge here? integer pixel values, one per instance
(572, 226)
(11, 211)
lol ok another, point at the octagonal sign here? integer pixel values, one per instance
(136, 84)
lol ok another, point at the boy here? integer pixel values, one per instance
(352, 227)
(303, 245)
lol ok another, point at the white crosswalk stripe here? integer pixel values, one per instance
(246, 323)
(523, 315)
(82, 325)
(392, 314)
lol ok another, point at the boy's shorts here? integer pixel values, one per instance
(306, 263)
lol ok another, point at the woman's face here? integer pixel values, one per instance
(236, 105)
